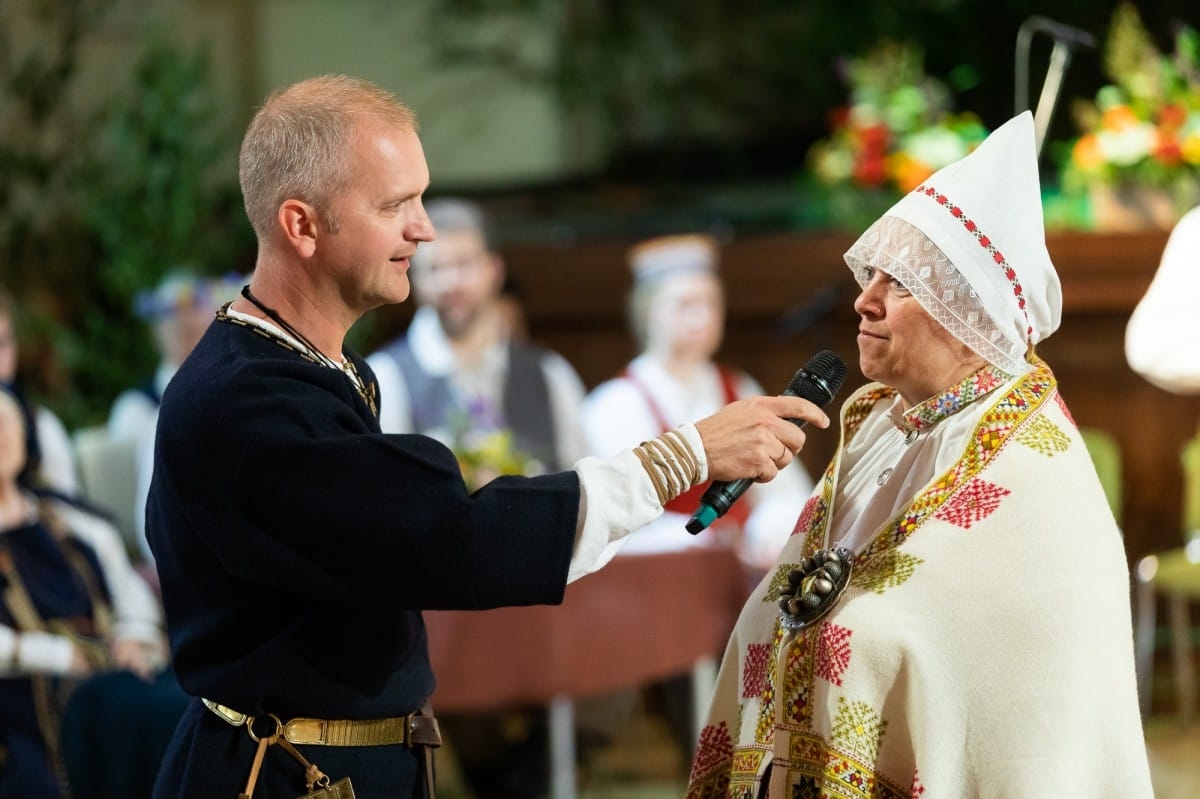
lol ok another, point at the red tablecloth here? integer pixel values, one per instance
(640, 618)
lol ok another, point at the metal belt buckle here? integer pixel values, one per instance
(342, 789)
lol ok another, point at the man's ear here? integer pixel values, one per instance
(298, 221)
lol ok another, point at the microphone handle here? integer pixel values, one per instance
(721, 495)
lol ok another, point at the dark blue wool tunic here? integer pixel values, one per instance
(297, 545)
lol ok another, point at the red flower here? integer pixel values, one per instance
(870, 171)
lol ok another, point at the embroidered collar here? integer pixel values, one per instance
(924, 415)
(268, 330)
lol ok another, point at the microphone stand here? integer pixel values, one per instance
(1065, 40)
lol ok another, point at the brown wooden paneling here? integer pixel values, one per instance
(575, 296)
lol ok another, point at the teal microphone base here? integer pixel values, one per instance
(701, 519)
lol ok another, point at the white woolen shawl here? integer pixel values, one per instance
(982, 649)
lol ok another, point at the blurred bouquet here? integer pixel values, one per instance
(485, 449)
(1141, 135)
(896, 131)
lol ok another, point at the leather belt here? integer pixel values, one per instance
(415, 729)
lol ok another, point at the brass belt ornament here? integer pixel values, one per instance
(419, 729)
(317, 783)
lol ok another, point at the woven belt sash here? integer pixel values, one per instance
(415, 729)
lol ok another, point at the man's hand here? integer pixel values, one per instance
(753, 438)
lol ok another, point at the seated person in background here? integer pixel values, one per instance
(952, 617)
(677, 313)
(464, 374)
(459, 374)
(51, 455)
(71, 606)
(1160, 340)
(178, 311)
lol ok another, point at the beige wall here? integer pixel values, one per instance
(481, 128)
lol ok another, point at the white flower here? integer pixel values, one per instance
(1128, 145)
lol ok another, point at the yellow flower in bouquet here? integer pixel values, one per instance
(1143, 129)
(485, 448)
(896, 130)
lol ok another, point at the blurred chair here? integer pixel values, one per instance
(108, 477)
(1176, 575)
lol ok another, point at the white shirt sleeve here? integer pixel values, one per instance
(136, 612)
(1160, 340)
(617, 498)
(143, 459)
(129, 415)
(36, 653)
(58, 456)
(566, 398)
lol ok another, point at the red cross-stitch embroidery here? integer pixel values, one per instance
(986, 243)
(975, 502)
(1062, 404)
(714, 748)
(918, 789)
(804, 522)
(754, 676)
(833, 652)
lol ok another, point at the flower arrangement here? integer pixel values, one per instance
(485, 449)
(896, 130)
(1143, 128)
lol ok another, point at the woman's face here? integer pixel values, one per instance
(686, 317)
(12, 439)
(902, 346)
(8, 350)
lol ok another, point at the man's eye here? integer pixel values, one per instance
(900, 287)
(865, 274)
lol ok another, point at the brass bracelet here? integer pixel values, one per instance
(662, 459)
(683, 452)
(671, 464)
(660, 487)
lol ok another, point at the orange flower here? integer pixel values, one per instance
(1086, 153)
(1118, 117)
(907, 171)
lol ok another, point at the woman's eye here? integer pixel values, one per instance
(900, 287)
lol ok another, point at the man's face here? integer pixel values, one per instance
(179, 334)
(686, 318)
(459, 278)
(381, 218)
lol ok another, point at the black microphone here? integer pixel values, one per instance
(817, 381)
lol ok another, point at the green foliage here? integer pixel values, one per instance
(153, 202)
(95, 208)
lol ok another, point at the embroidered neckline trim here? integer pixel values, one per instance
(280, 337)
(925, 415)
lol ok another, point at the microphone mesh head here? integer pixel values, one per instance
(819, 379)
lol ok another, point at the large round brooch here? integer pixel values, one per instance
(812, 590)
